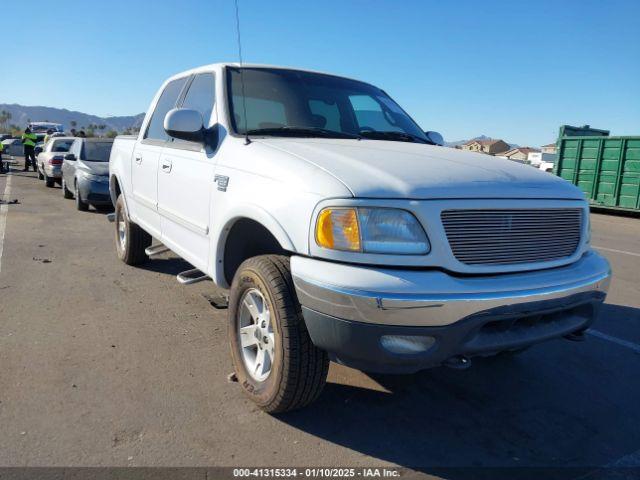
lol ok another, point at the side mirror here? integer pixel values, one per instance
(70, 156)
(435, 138)
(185, 124)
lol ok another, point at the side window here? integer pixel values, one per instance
(166, 102)
(201, 96)
(369, 114)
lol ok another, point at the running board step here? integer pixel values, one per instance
(155, 250)
(111, 217)
(191, 276)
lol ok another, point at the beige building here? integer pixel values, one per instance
(551, 148)
(519, 154)
(491, 147)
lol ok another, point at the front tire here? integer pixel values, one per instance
(276, 363)
(131, 240)
(68, 194)
(81, 205)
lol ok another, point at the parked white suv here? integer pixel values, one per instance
(344, 233)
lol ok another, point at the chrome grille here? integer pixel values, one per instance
(511, 236)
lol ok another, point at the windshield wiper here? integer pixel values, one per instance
(301, 132)
(392, 135)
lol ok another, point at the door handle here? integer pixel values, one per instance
(138, 159)
(166, 165)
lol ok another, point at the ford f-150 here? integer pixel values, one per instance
(344, 232)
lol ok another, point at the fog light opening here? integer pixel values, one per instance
(406, 344)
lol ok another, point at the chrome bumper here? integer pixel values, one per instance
(53, 171)
(434, 298)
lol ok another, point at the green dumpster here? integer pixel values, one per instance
(607, 169)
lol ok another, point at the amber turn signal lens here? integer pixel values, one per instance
(338, 229)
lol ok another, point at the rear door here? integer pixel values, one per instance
(144, 167)
(185, 180)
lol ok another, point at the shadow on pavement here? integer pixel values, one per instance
(557, 405)
(169, 266)
(620, 321)
(99, 210)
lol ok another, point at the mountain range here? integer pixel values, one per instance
(21, 115)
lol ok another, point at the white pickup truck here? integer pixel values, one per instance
(344, 232)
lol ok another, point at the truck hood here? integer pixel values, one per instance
(385, 169)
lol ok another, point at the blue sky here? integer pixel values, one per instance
(510, 69)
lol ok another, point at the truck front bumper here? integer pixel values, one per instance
(401, 321)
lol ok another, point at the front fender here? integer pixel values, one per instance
(251, 212)
(112, 187)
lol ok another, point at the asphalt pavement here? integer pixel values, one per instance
(102, 364)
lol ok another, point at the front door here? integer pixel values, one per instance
(185, 182)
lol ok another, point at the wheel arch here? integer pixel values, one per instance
(114, 188)
(248, 232)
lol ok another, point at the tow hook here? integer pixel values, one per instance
(576, 336)
(459, 362)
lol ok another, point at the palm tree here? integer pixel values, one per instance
(4, 119)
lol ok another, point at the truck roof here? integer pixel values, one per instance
(220, 65)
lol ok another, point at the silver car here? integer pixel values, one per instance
(13, 147)
(51, 158)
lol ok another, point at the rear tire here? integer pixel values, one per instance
(131, 240)
(40, 175)
(104, 208)
(48, 181)
(263, 303)
(65, 191)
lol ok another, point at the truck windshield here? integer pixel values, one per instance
(280, 102)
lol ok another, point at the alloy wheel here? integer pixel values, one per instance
(257, 338)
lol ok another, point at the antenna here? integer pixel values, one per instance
(244, 102)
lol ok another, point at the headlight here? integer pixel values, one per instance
(371, 230)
